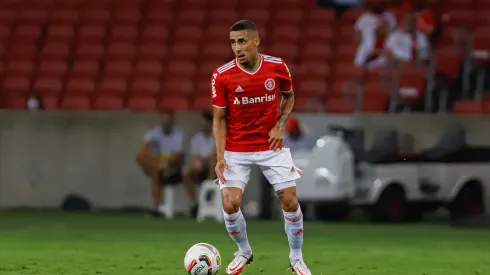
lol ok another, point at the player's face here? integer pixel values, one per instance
(244, 45)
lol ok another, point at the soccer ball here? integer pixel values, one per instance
(202, 259)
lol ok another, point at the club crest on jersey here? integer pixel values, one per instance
(270, 84)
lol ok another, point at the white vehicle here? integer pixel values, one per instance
(391, 187)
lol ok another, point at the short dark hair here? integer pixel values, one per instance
(243, 25)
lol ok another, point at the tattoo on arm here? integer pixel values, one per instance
(280, 194)
(287, 105)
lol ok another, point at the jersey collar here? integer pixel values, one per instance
(258, 68)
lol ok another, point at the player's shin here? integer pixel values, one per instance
(237, 228)
(294, 231)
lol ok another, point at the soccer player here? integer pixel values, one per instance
(248, 130)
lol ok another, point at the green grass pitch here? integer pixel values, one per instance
(49, 243)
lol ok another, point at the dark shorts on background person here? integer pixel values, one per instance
(171, 177)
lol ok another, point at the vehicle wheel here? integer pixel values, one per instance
(332, 211)
(469, 202)
(391, 206)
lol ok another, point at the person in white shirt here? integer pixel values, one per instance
(295, 138)
(160, 156)
(371, 28)
(407, 44)
(202, 160)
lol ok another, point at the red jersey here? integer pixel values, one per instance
(252, 101)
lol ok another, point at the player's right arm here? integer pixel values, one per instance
(219, 102)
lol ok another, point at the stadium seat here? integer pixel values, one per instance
(286, 33)
(113, 85)
(375, 103)
(108, 102)
(162, 17)
(8, 15)
(15, 101)
(49, 85)
(116, 68)
(15, 84)
(123, 33)
(148, 68)
(318, 51)
(80, 85)
(52, 68)
(142, 103)
(23, 67)
(126, 15)
(323, 17)
(18, 49)
(91, 33)
(173, 103)
(33, 16)
(92, 51)
(124, 51)
(289, 16)
(468, 107)
(201, 103)
(65, 16)
(289, 52)
(58, 50)
(4, 32)
(75, 102)
(312, 70)
(155, 34)
(217, 51)
(184, 51)
(259, 16)
(203, 86)
(178, 86)
(151, 51)
(223, 15)
(318, 34)
(309, 104)
(191, 16)
(85, 67)
(51, 102)
(313, 87)
(181, 69)
(97, 16)
(27, 32)
(61, 32)
(187, 34)
(145, 86)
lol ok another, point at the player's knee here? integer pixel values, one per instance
(231, 202)
(290, 205)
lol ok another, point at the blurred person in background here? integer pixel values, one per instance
(295, 138)
(202, 160)
(160, 156)
(370, 31)
(34, 102)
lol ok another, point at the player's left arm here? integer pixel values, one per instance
(276, 135)
(287, 92)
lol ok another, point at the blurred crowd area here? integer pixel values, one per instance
(345, 56)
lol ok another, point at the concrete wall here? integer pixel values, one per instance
(45, 156)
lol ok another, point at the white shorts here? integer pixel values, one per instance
(277, 167)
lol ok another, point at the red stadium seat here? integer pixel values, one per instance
(118, 68)
(155, 34)
(375, 103)
(288, 4)
(162, 17)
(49, 85)
(17, 49)
(175, 103)
(313, 87)
(152, 51)
(59, 50)
(313, 70)
(50, 102)
(15, 101)
(108, 102)
(340, 105)
(65, 15)
(289, 52)
(15, 84)
(89, 51)
(19, 67)
(178, 86)
(468, 107)
(149, 68)
(318, 34)
(4, 32)
(184, 51)
(223, 15)
(27, 32)
(113, 85)
(52, 68)
(33, 16)
(91, 33)
(323, 17)
(127, 15)
(95, 15)
(201, 103)
(120, 50)
(8, 15)
(85, 67)
(289, 16)
(75, 102)
(142, 103)
(191, 16)
(309, 104)
(217, 51)
(181, 69)
(287, 33)
(218, 33)
(80, 85)
(259, 16)
(187, 33)
(123, 33)
(145, 85)
(318, 51)
(60, 32)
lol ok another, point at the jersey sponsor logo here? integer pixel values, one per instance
(270, 84)
(239, 90)
(213, 83)
(252, 100)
